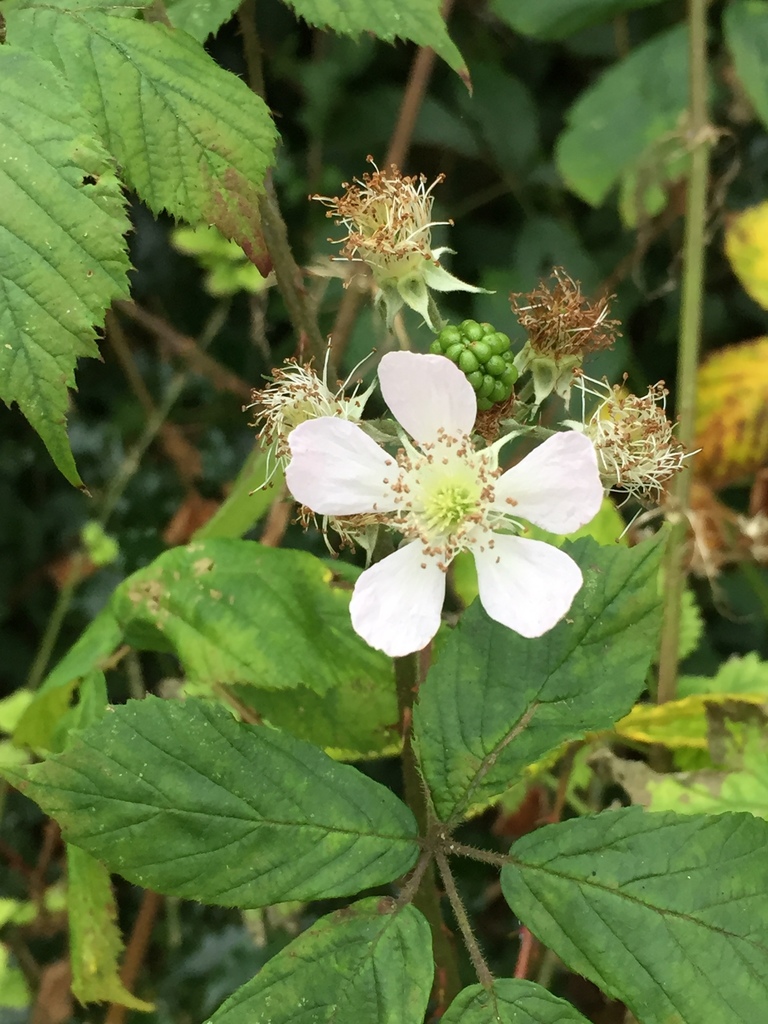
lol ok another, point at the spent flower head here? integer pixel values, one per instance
(562, 326)
(294, 395)
(635, 443)
(388, 217)
(443, 496)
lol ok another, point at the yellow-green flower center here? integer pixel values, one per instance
(448, 506)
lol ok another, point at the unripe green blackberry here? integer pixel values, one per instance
(483, 354)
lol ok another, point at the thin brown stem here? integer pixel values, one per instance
(478, 961)
(527, 945)
(135, 951)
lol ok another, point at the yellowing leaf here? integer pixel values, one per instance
(732, 414)
(746, 245)
(678, 723)
(94, 935)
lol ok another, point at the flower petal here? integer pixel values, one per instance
(427, 394)
(556, 487)
(396, 604)
(337, 470)
(526, 584)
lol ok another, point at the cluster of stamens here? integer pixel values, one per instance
(560, 322)
(387, 216)
(294, 395)
(634, 441)
(443, 493)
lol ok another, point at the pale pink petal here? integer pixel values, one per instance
(396, 604)
(427, 393)
(526, 584)
(337, 470)
(556, 487)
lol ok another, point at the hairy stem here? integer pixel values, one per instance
(478, 961)
(690, 332)
(426, 897)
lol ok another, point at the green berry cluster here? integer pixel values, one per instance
(484, 355)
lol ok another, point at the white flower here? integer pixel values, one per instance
(446, 497)
(388, 219)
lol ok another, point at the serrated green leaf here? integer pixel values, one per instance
(63, 258)
(632, 107)
(366, 964)
(182, 799)
(237, 612)
(664, 912)
(556, 19)
(510, 1001)
(495, 702)
(190, 137)
(356, 719)
(418, 20)
(200, 18)
(745, 24)
(94, 937)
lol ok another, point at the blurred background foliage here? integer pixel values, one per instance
(570, 151)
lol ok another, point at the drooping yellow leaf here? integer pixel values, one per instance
(679, 723)
(746, 245)
(732, 411)
(94, 934)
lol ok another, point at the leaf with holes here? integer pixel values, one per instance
(182, 799)
(62, 250)
(732, 413)
(495, 702)
(369, 962)
(190, 137)
(662, 911)
(418, 20)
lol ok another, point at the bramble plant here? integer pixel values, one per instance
(502, 637)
